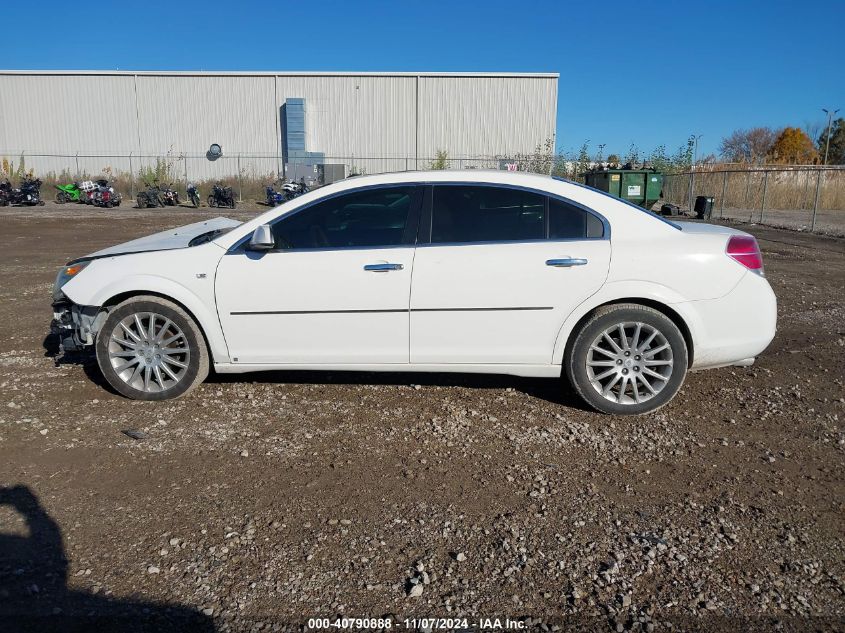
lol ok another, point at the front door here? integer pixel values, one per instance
(334, 290)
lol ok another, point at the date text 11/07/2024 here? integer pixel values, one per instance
(418, 624)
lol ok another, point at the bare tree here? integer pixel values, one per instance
(748, 146)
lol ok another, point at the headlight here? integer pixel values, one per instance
(66, 273)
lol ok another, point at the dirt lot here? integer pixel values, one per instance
(260, 501)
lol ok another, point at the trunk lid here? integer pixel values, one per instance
(702, 228)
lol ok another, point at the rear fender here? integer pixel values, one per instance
(613, 292)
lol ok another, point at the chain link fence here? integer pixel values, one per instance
(248, 174)
(803, 198)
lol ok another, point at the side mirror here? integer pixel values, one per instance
(262, 239)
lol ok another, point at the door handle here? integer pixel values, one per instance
(566, 262)
(382, 268)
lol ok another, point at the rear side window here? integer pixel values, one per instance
(570, 222)
(375, 217)
(467, 213)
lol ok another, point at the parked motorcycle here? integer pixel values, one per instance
(105, 195)
(193, 195)
(151, 197)
(293, 190)
(68, 193)
(5, 193)
(274, 198)
(170, 196)
(221, 197)
(29, 193)
(86, 192)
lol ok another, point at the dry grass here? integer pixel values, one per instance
(784, 188)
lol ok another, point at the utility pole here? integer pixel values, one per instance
(695, 151)
(830, 116)
(692, 170)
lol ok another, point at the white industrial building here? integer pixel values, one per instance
(268, 122)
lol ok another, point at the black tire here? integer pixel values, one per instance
(212, 201)
(142, 201)
(196, 360)
(62, 197)
(628, 315)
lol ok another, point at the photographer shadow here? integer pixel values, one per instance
(34, 595)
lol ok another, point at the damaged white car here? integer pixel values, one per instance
(451, 271)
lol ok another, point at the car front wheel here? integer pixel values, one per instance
(627, 359)
(151, 349)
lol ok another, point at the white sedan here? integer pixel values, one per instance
(451, 271)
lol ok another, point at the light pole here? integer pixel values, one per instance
(692, 170)
(830, 116)
(695, 151)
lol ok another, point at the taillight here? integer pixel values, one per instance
(744, 249)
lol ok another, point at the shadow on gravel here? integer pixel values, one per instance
(34, 595)
(556, 390)
(86, 360)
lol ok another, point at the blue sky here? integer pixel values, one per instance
(647, 72)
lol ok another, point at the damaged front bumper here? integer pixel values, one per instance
(76, 326)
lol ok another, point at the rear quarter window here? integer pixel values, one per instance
(570, 222)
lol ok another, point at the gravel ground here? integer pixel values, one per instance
(260, 501)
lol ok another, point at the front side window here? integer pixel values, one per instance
(570, 222)
(471, 213)
(374, 217)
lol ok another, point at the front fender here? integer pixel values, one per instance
(615, 291)
(79, 292)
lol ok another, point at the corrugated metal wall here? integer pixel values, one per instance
(374, 122)
(485, 116)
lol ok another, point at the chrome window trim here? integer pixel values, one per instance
(238, 247)
(511, 242)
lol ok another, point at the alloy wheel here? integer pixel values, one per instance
(630, 363)
(149, 352)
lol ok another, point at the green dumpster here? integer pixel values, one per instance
(642, 187)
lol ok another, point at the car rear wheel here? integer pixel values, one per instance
(627, 359)
(151, 349)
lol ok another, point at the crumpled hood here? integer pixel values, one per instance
(179, 237)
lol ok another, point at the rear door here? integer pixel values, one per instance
(502, 269)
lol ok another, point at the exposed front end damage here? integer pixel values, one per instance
(75, 325)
